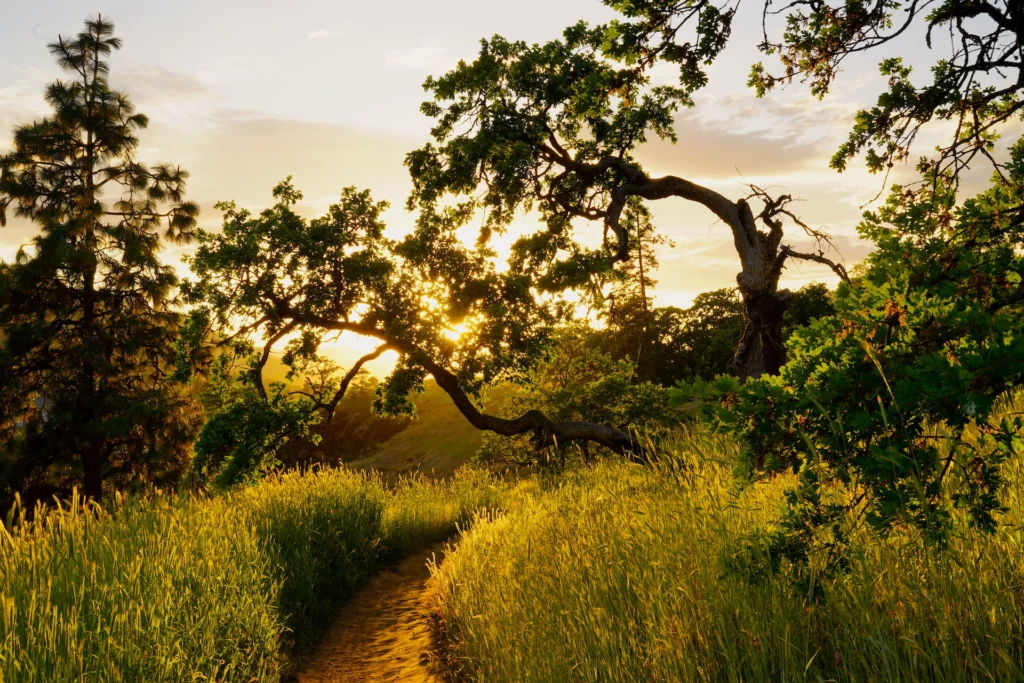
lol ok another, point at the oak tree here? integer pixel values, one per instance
(277, 280)
(554, 128)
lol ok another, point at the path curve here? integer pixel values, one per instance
(382, 634)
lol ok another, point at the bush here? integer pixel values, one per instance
(891, 398)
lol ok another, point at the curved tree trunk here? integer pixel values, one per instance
(544, 431)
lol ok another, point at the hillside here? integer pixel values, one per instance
(436, 442)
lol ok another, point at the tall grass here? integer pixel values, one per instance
(192, 588)
(618, 574)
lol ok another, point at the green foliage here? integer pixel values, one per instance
(615, 573)
(321, 534)
(975, 83)
(554, 128)
(505, 126)
(886, 407)
(254, 261)
(88, 313)
(652, 32)
(224, 588)
(577, 382)
(277, 278)
(243, 439)
(699, 341)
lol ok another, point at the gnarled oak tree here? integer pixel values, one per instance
(277, 279)
(553, 128)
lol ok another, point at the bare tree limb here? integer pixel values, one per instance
(837, 268)
(351, 375)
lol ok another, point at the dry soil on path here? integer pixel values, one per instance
(382, 634)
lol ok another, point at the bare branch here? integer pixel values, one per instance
(351, 375)
(837, 268)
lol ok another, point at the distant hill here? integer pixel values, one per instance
(437, 442)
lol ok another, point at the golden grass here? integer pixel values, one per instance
(196, 588)
(617, 574)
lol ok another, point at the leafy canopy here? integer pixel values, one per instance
(276, 278)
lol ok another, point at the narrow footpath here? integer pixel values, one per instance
(381, 635)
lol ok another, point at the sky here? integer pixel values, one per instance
(245, 92)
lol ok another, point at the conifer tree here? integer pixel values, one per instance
(628, 309)
(87, 310)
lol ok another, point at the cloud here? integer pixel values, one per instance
(712, 151)
(154, 85)
(420, 57)
(241, 155)
(322, 33)
(738, 135)
(21, 98)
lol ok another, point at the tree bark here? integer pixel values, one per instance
(92, 475)
(760, 350)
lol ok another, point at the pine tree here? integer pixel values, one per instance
(88, 317)
(629, 310)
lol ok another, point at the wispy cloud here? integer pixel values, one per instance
(154, 85)
(322, 33)
(419, 57)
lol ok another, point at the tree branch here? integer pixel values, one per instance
(837, 268)
(351, 375)
(545, 431)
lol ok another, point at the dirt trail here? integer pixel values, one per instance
(382, 633)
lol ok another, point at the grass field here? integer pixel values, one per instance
(613, 573)
(222, 588)
(618, 574)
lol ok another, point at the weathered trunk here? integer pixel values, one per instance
(760, 350)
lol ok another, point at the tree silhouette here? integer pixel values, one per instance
(87, 311)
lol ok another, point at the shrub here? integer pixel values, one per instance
(891, 398)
